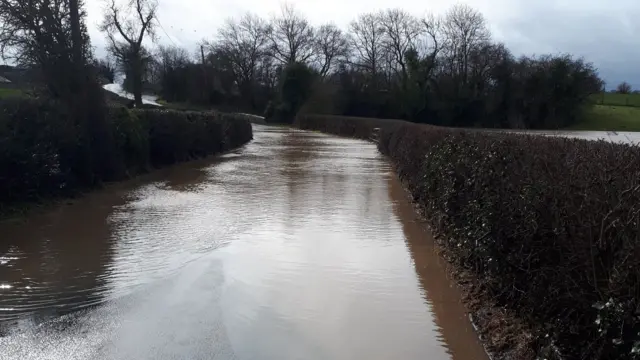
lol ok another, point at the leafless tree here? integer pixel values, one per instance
(367, 40)
(465, 31)
(126, 26)
(401, 31)
(291, 36)
(331, 48)
(244, 45)
(430, 42)
(623, 88)
(171, 56)
(167, 59)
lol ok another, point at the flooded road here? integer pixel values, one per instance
(621, 137)
(298, 246)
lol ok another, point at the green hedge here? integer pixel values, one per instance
(40, 148)
(550, 226)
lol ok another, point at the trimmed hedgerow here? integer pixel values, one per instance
(550, 226)
(29, 142)
(40, 147)
(356, 127)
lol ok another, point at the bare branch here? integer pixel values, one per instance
(367, 40)
(291, 36)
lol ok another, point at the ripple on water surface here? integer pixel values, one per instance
(299, 245)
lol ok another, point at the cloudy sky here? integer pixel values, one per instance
(606, 33)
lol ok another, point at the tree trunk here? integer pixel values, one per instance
(78, 45)
(137, 80)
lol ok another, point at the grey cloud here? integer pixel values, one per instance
(606, 38)
(601, 32)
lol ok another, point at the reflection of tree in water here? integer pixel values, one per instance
(57, 262)
(332, 177)
(314, 176)
(297, 159)
(440, 291)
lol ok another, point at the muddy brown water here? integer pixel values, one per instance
(297, 246)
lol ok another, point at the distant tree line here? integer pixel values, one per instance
(442, 70)
(67, 133)
(624, 88)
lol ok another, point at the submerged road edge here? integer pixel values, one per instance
(502, 334)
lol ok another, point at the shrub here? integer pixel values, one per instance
(176, 136)
(29, 143)
(39, 145)
(131, 137)
(294, 86)
(549, 225)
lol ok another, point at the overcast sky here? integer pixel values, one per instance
(603, 32)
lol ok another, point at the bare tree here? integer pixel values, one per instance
(291, 36)
(126, 27)
(422, 64)
(401, 31)
(426, 48)
(331, 48)
(171, 57)
(623, 88)
(430, 41)
(465, 31)
(243, 44)
(169, 72)
(167, 59)
(367, 40)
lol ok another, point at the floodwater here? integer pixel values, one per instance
(297, 246)
(622, 137)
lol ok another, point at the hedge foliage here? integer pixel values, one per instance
(37, 144)
(549, 225)
(356, 127)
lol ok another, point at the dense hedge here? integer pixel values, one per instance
(356, 127)
(549, 225)
(37, 141)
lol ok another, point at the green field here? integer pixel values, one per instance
(183, 106)
(617, 99)
(611, 118)
(5, 92)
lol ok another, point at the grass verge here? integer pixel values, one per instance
(10, 92)
(610, 118)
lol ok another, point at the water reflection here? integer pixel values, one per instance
(440, 291)
(51, 264)
(299, 245)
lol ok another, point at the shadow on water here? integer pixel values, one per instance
(440, 291)
(59, 261)
(40, 257)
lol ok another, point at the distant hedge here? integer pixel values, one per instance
(356, 127)
(38, 145)
(549, 225)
